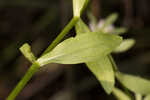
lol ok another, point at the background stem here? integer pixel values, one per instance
(96, 8)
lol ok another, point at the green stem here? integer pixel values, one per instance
(62, 34)
(113, 63)
(34, 68)
(117, 70)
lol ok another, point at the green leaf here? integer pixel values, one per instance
(125, 45)
(82, 48)
(120, 95)
(110, 20)
(136, 84)
(78, 7)
(26, 51)
(102, 69)
(147, 97)
(81, 27)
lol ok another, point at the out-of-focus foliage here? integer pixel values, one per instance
(134, 83)
(120, 95)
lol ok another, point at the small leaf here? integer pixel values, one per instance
(78, 7)
(120, 95)
(147, 97)
(110, 20)
(82, 48)
(102, 69)
(125, 45)
(136, 84)
(81, 27)
(26, 51)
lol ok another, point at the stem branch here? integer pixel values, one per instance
(35, 67)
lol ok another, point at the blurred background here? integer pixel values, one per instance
(38, 22)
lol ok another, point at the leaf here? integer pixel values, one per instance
(120, 95)
(147, 97)
(26, 51)
(102, 69)
(78, 7)
(82, 48)
(81, 27)
(125, 45)
(135, 84)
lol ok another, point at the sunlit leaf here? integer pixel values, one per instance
(102, 69)
(136, 84)
(26, 51)
(120, 95)
(125, 45)
(82, 48)
(78, 7)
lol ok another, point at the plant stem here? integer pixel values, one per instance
(113, 63)
(35, 67)
(117, 70)
(61, 35)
